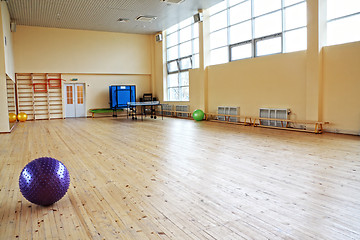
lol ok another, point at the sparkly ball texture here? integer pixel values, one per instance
(44, 181)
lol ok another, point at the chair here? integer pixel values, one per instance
(147, 97)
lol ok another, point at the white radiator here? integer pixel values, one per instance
(273, 113)
(228, 111)
(168, 108)
(182, 108)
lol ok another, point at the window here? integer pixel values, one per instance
(182, 54)
(69, 94)
(268, 46)
(242, 29)
(80, 97)
(343, 21)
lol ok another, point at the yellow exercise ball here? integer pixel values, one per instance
(12, 117)
(22, 117)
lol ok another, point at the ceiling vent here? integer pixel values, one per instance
(172, 1)
(145, 18)
(123, 20)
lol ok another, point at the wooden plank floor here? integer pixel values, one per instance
(182, 179)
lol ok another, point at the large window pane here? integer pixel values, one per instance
(295, 16)
(172, 66)
(268, 46)
(233, 2)
(196, 45)
(240, 32)
(195, 30)
(240, 12)
(291, 2)
(265, 6)
(195, 61)
(218, 39)
(184, 93)
(186, 22)
(185, 49)
(344, 30)
(220, 55)
(172, 39)
(241, 52)
(173, 80)
(268, 24)
(172, 53)
(173, 94)
(172, 29)
(339, 8)
(185, 34)
(217, 7)
(218, 21)
(185, 63)
(296, 40)
(184, 79)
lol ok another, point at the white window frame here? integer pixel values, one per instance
(341, 18)
(254, 40)
(179, 59)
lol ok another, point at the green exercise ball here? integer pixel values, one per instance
(198, 115)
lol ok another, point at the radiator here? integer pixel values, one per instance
(168, 108)
(273, 113)
(228, 111)
(182, 108)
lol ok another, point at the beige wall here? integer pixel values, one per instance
(275, 81)
(321, 83)
(55, 50)
(97, 59)
(97, 87)
(4, 114)
(196, 90)
(342, 88)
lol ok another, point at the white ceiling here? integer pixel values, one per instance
(102, 15)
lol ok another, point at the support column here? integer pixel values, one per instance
(153, 73)
(198, 78)
(316, 37)
(4, 112)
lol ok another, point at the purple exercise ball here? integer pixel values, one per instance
(44, 181)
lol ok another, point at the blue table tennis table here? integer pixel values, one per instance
(133, 107)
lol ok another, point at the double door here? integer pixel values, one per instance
(74, 100)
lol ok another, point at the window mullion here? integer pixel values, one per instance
(283, 25)
(228, 29)
(278, 32)
(292, 5)
(268, 13)
(178, 73)
(192, 39)
(342, 17)
(253, 30)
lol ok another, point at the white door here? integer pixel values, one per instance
(75, 100)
